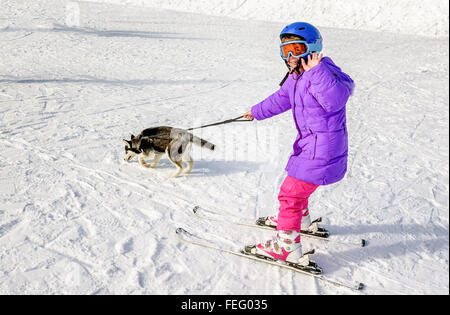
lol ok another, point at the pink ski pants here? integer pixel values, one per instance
(293, 197)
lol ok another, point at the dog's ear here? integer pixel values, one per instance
(132, 137)
(127, 143)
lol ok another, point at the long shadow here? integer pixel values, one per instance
(93, 80)
(105, 33)
(413, 229)
(427, 239)
(354, 256)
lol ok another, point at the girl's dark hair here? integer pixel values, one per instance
(293, 36)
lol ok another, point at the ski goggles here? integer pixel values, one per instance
(297, 49)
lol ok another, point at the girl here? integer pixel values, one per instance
(316, 90)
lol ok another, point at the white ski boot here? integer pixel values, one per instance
(284, 246)
(272, 220)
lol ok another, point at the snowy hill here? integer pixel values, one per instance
(422, 18)
(78, 77)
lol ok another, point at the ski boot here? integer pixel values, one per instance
(272, 220)
(285, 248)
(307, 227)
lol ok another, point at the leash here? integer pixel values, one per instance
(237, 119)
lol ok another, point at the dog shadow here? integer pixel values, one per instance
(204, 168)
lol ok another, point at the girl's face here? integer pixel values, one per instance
(292, 61)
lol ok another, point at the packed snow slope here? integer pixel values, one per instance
(75, 79)
(414, 17)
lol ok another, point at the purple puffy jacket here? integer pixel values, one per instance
(317, 99)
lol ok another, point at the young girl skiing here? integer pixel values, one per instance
(316, 90)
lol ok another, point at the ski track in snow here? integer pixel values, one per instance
(76, 219)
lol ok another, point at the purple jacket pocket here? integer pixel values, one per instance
(330, 145)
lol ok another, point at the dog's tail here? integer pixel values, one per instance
(185, 135)
(203, 143)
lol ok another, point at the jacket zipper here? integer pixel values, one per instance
(295, 105)
(315, 146)
(295, 117)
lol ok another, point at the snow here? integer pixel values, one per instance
(78, 77)
(423, 18)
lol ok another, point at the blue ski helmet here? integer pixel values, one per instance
(306, 32)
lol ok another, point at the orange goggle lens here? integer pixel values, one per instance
(296, 49)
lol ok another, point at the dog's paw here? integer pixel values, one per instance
(144, 164)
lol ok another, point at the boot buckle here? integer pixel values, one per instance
(306, 258)
(314, 226)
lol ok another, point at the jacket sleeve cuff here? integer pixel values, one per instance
(256, 112)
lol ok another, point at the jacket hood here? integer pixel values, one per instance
(344, 78)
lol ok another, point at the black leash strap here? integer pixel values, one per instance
(237, 119)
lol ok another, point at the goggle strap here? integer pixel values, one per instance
(314, 47)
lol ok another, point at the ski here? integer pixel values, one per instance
(318, 232)
(310, 270)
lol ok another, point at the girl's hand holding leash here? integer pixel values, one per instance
(248, 115)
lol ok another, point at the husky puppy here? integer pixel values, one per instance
(174, 142)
